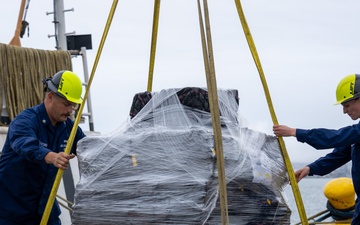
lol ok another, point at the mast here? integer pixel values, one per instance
(60, 36)
(59, 20)
(59, 23)
(61, 41)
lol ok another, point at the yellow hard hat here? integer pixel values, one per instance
(348, 89)
(340, 193)
(66, 84)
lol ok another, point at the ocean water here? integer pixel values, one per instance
(312, 195)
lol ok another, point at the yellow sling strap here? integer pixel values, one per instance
(214, 107)
(284, 153)
(69, 144)
(212, 91)
(153, 43)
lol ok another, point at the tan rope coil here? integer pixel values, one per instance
(21, 72)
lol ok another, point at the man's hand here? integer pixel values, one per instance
(285, 131)
(301, 173)
(60, 160)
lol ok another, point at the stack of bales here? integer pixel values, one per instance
(160, 167)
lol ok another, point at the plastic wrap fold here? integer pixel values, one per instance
(160, 166)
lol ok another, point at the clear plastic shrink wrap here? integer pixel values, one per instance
(160, 166)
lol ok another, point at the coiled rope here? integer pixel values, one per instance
(340, 214)
(21, 72)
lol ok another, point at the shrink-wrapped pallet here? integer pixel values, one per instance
(160, 166)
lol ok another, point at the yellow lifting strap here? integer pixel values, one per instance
(284, 153)
(212, 92)
(153, 43)
(50, 202)
(214, 108)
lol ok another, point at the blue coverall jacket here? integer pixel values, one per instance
(346, 144)
(25, 179)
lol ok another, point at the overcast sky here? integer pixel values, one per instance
(305, 48)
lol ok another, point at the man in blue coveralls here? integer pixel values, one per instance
(345, 141)
(34, 150)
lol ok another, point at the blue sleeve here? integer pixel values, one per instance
(23, 139)
(321, 138)
(335, 159)
(78, 136)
